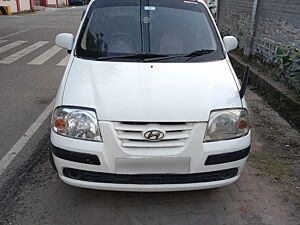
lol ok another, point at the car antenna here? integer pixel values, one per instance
(244, 82)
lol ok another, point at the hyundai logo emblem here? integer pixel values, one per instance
(154, 135)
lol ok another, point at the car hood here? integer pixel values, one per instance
(151, 92)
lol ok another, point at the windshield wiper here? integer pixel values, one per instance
(156, 57)
(131, 56)
(189, 55)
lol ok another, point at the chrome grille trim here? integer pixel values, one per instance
(149, 144)
(131, 134)
(128, 127)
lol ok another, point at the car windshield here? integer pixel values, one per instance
(143, 29)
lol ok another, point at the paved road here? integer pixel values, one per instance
(29, 80)
(30, 191)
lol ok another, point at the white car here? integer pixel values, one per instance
(149, 100)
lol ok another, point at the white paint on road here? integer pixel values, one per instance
(21, 31)
(45, 56)
(10, 46)
(19, 145)
(64, 61)
(14, 57)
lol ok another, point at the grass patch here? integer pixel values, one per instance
(268, 163)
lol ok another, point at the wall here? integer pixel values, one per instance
(278, 24)
(261, 26)
(24, 5)
(53, 2)
(234, 18)
(62, 2)
(11, 3)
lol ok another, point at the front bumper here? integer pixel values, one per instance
(200, 158)
(148, 187)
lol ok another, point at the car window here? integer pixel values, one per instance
(177, 31)
(152, 27)
(113, 30)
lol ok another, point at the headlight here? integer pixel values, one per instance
(76, 123)
(227, 124)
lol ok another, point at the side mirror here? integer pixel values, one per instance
(230, 43)
(65, 40)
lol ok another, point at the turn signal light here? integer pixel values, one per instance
(60, 125)
(243, 124)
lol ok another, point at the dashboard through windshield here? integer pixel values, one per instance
(135, 30)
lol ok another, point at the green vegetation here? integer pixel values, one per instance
(288, 60)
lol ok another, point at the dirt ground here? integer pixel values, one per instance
(266, 194)
(275, 146)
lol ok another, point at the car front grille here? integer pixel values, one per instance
(131, 134)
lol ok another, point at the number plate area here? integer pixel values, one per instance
(155, 165)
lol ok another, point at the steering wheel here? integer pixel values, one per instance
(121, 43)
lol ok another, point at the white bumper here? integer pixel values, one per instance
(111, 150)
(148, 188)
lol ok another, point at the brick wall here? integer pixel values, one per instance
(234, 18)
(273, 24)
(278, 24)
